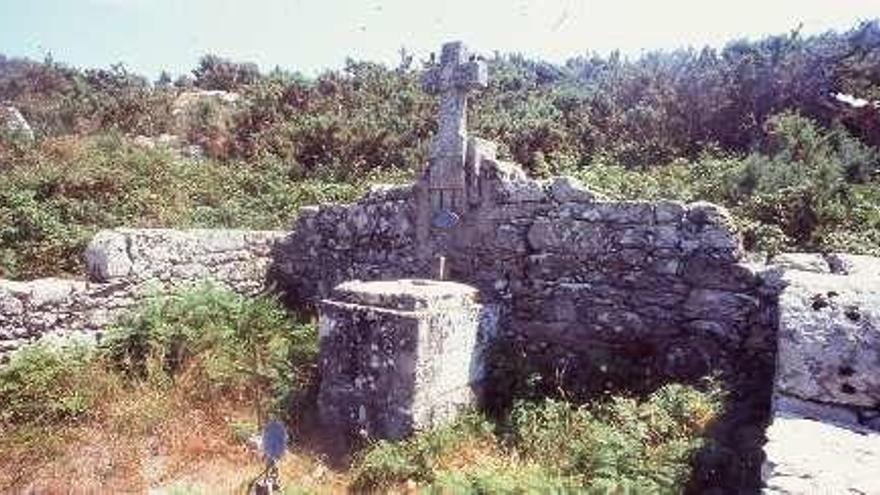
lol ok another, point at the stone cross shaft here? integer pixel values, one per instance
(457, 74)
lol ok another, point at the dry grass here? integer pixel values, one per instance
(150, 439)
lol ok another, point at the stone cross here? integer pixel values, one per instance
(457, 74)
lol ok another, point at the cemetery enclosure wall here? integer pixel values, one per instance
(571, 274)
(124, 266)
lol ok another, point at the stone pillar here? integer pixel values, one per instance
(402, 355)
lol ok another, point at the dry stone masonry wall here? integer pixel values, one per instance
(124, 266)
(568, 269)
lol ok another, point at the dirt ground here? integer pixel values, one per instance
(180, 450)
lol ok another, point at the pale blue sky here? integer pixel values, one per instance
(310, 35)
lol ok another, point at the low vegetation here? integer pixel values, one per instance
(617, 445)
(188, 377)
(202, 367)
(55, 195)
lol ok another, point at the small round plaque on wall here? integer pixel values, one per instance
(444, 219)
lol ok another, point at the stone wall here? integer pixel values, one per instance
(662, 281)
(124, 266)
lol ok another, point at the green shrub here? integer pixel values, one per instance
(52, 382)
(387, 463)
(229, 343)
(503, 479)
(55, 196)
(619, 445)
(207, 340)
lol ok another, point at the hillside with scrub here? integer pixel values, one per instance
(783, 131)
(169, 392)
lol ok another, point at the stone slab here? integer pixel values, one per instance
(806, 456)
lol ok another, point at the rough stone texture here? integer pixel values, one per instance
(826, 403)
(564, 267)
(829, 335)
(805, 456)
(125, 265)
(12, 122)
(453, 78)
(398, 356)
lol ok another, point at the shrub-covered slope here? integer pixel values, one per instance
(755, 126)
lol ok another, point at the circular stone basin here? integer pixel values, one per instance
(405, 294)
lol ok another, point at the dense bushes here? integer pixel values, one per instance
(56, 194)
(621, 445)
(808, 188)
(204, 343)
(752, 126)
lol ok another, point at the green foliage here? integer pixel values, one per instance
(51, 383)
(217, 73)
(621, 445)
(56, 195)
(237, 344)
(206, 341)
(386, 463)
(809, 189)
(502, 479)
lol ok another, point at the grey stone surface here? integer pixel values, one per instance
(125, 265)
(568, 189)
(107, 256)
(824, 436)
(829, 336)
(456, 75)
(805, 262)
(13, 123)
(806, 456)
(402, 355)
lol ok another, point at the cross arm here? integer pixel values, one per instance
(472, 75)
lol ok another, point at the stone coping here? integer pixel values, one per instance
(406, 294)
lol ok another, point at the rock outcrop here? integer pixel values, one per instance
(825, 434)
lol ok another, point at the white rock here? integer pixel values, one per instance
(805, 456)
(806, 262)
(13, 122)
(568, 189)
(107, 256)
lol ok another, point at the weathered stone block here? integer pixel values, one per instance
(829, 336)
(568, 189)
(402, 355)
